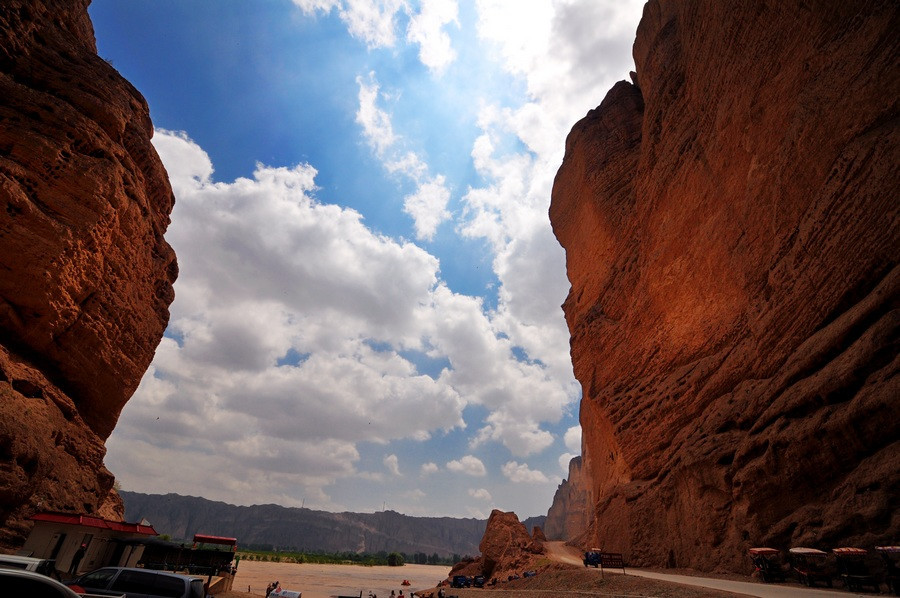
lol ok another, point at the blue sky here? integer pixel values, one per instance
(368, 307)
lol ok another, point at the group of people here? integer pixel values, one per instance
(394, 595)
(272, 587)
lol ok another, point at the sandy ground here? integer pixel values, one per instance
(322, 581)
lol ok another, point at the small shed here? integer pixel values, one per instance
(231, 543)
(58, 536)
(208, 555)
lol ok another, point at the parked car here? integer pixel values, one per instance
(137, 583)
(27, 563)
(478, 581)
(19, 582)
(592, 558)
(461, 581)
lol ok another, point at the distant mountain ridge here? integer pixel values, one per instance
(306, 529)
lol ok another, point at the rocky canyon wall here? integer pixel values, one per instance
(85, 274)
(570, 514)
(730, 221)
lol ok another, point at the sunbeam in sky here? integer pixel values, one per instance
(368, 309)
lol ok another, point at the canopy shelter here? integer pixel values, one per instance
(850, 551)
(206, 539)
(764, 551)
(803, 551)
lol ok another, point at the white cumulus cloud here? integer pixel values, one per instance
(469, 465)
(480, 494)
(520, 473)
(372, 21)
(428, 206)
(392, 463)
(427, 29)
(293, 355)
(564, 460)
(572, 439)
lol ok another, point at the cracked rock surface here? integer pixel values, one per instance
(730, 221)
(85, 273)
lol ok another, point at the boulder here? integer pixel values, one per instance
(506, 545)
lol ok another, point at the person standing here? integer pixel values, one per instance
(76, 559)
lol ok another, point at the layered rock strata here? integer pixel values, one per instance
(85, 274)
(730, 221)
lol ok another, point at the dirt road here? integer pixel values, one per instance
(559, 552)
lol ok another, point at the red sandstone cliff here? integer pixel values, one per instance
(506, 549)
(732, 238)
(570, 514)
(85, 274)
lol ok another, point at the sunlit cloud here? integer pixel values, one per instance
(520, 473)
(564, 460)
(480, 494)
(372, 21)
(426, 29)
(277, 294)
(306, 353)
(392, 463)
(573, 439)
(468, 465)
(428, 204)
(376, 123)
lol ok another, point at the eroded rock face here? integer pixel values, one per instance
(570, 514)
(85, 274)
(731, 231)
(506, 548)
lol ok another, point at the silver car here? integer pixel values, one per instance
(137, 583)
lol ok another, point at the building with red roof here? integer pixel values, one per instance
(84, 542)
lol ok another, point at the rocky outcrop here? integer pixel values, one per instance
(86, 274)
(506, 549)
(570, 514)
(730, 221)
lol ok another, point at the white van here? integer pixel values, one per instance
(27, 563)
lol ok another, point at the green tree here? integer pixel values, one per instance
(395, 559)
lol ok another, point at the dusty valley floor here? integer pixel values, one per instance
(323, 581)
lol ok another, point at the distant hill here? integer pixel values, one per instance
(306, 529)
